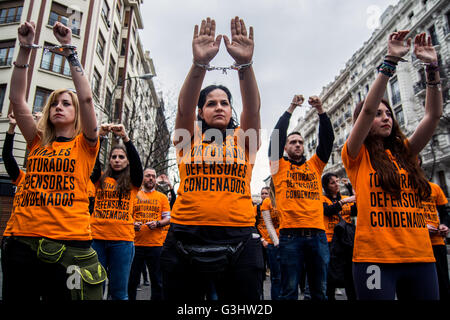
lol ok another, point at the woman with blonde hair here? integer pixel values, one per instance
(49, 250)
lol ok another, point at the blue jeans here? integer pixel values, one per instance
(116, 257)
(273, 259)
(299, 252)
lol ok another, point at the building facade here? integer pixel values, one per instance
(405, 91)
(109, 48)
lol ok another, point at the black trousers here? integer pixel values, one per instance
(440, 254)
(26, 278)
(241, 281)
(146, 256)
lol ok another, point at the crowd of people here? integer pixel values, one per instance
(75, 224)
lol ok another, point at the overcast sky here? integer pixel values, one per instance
(300, 46)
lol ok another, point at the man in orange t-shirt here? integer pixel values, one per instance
(151, 212)
(298, 195)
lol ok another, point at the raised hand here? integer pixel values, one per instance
(204, 44)
(423, 48)
(26, 33)
(297, 100)
(105, 128)
(396, 44)
(62, 33)
(316, 103)
(119, 130)
(241, 46)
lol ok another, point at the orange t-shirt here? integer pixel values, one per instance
(149, 206)
(112, 218)
(215, 184)
(18, 184)
(387, 230)
(54, 202)
(298, 193)
(266, 205)
(331, 222)
(437, 198)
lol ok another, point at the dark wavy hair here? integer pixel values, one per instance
(385, 168)
(326, 180)
(233, 124)
(122, 178)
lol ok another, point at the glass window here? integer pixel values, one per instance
(2, 95)
(62, 13)
(6, 52)
(55, 62)
(40, 99)
(395, 92)
(399, 115)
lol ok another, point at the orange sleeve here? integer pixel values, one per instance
(440, 197)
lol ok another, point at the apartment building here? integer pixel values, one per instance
(109, 47)
(405, 91)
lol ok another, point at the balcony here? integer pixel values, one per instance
(419, 88)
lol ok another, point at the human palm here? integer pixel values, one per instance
(204, 44)
(423, 48)
(396, 44)
(241, 46)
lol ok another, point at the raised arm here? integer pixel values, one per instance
(397, 48)
(19, 83)
(11, 166)
(326, 133)
(87, 113)
(136, 171)
(204, 48)
(424, 50)
(241, 50)
(279, 133)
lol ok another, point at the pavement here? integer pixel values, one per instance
(144, 293)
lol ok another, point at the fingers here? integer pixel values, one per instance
(195, 31)
(250, 36)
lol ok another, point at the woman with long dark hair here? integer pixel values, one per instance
(392, 246)
(335, 207)
(112, 221)
(212, 236)
(48, 255)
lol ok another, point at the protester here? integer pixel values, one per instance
(112, 221)
(392, 245)
(336, 206)
(298, 190)
(212, 236)
(151, 214)
(50, 244)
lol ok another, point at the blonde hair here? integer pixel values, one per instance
(45, 127)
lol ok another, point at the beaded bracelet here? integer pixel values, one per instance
(387, 68)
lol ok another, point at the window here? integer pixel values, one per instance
(96, 79)
(399, 115)
(2, 95)
(433, 35)
(105, 10)
(10, 11)
(40, 99)
(119, 9)
(100, 45)
(55, 62)
(112, 68)
(120, 77)
(115, 37)
(127, 19)
(108, 99)
(395, 92)
(447, 15)
(132, 57)
(6, 52)
(66, 16)
(123, 48)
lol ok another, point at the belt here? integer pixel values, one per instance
(301, 232)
